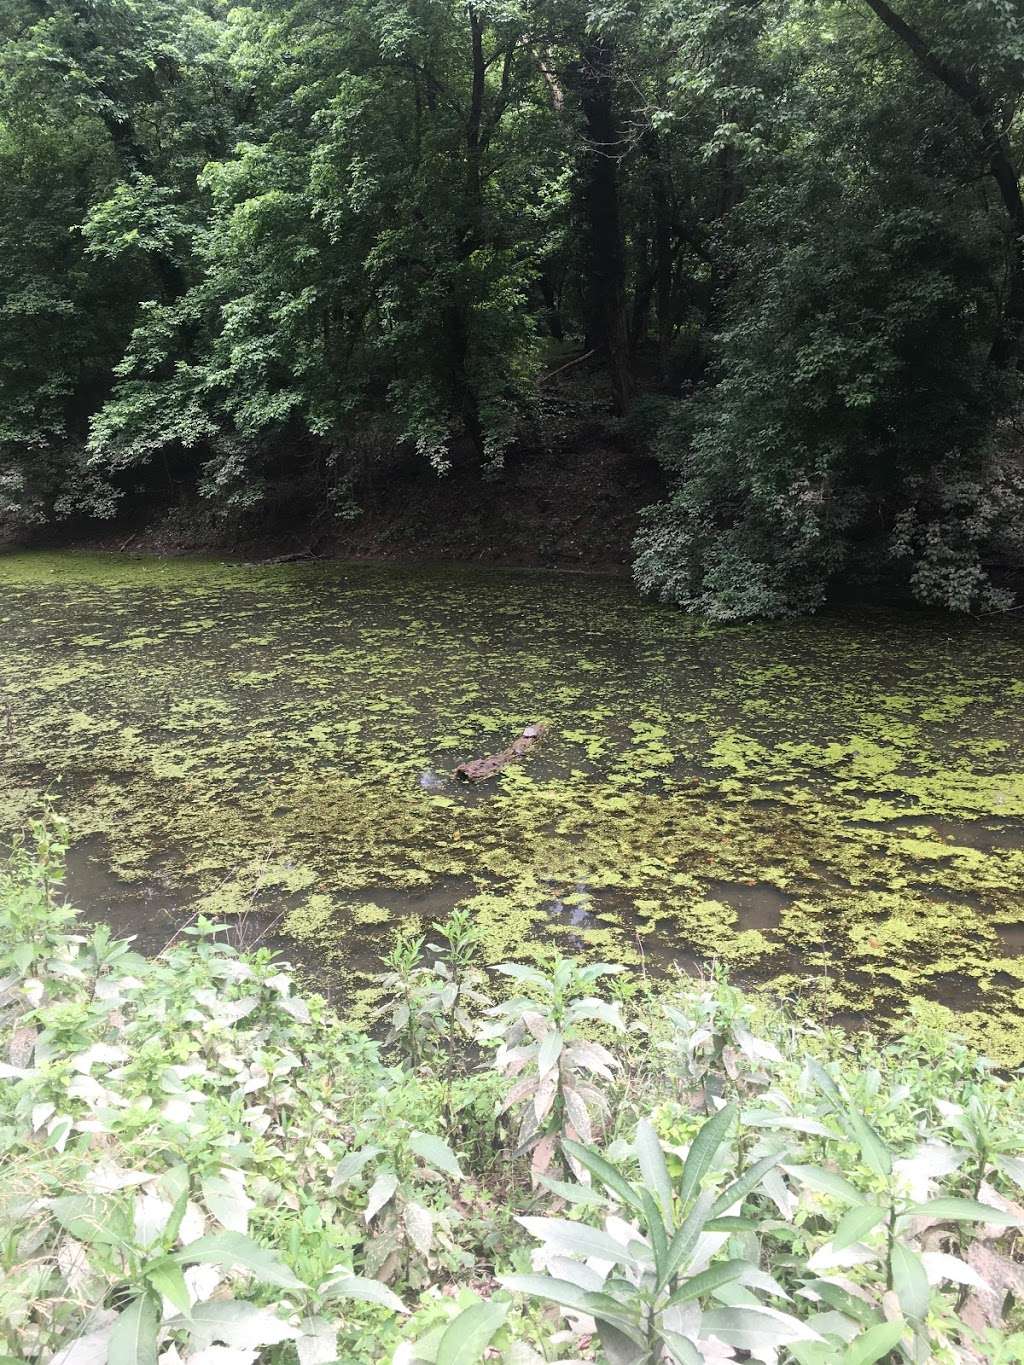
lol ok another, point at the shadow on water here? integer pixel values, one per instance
(154, 916)
(758, 905)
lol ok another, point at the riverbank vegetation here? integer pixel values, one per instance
(256, 260)
(547, 1163)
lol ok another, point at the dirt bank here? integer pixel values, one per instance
(567, 510)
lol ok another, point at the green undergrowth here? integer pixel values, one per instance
(554, 1162)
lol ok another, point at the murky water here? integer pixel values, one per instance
(835, 805)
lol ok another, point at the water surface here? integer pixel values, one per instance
(834, 806)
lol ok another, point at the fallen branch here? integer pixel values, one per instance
(568, 365)
(481, 768)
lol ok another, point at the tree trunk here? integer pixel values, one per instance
(470, 238)
(607, 325)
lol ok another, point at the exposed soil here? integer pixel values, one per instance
(571, 509)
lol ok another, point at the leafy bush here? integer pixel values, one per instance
(202, 1165)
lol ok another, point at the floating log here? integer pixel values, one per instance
(482, 768)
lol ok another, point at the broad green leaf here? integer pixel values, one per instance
(133, 1340)
(825, 1083)
(813, 1352)
(653, 1168)
(875, 1343)
(741, 1187)
(238, 1324)
(232, 1251)
(91, 1218)
(656, 1231)
(855, 1224)
(577, 1239)
(793, 1123)
(174, 1222)
(89, 1349)
(685, 1238)
(703, 1150)
(730, 1223)
(961, 1211)
(166, 1278)
(717, 1274)
(318, 1344)
(518, 972)
(436, 1152)
(754, 1328)
(359, 1287)
(381, 1192)
(572, 1193)
(844, 1302)
(618, 1347)
(605, 1172)
(467, 1337)
(419, 1226)
(826, 1182)
(1013, 1167)
(225, 1197)
(910, 1281)
(549, 1052)
(681, 1349)
(350, 1165)
(876, 1154)
(569, 1295)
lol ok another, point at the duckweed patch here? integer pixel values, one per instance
(279, 737)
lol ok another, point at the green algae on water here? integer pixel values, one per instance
(837, 801)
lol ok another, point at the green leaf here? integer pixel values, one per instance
(681, 1349)
(730, 1223)
(827, 1182)
(855, 1224)
(618, 1347)
(825, 1083)
(549, 1052)
(754, 1328)
(685, 1239)
(91, 1219)
(233, 1251)
(717, 1274)
(177, 1174)
(380, 1194)
(578, 1239)
(605, 1172)
(352, 1163)
(653, 1168)
(876, 1154)
(436, 1152)
(166, 1278)
(910, 1282)
(518, 972)
(467, 1337)
(359, 1287)
(569, 1295)
(703, 1150)
(844, 1302)
(133, 1340)
(742, 1186)
(962, 1211)
(572, 1193)
(875, 1343)
(656, 1229)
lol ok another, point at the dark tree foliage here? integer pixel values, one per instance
(787, 236)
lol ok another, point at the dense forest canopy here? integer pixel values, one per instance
(781, 240)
